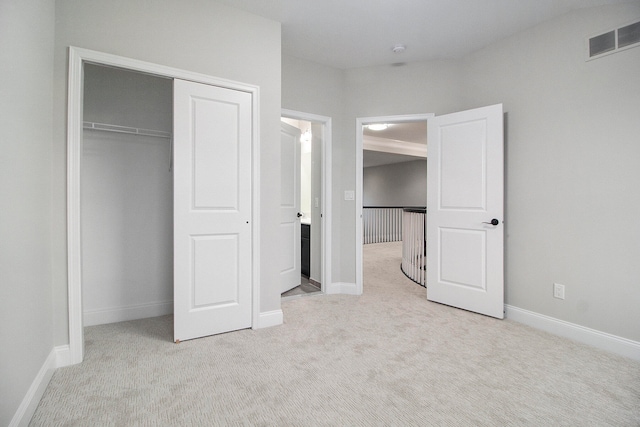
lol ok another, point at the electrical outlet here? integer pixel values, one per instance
(558, 291)
(349, 195)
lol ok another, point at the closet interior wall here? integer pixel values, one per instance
(127, 197)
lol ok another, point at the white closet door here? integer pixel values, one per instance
(212, 210)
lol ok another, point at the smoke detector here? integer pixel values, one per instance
(399, 48)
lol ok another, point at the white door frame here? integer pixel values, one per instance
(77, 57)
(325, 195)
(361, 122)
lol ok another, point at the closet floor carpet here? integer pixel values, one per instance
(388, 357)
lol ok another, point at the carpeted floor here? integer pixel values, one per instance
(388, 357)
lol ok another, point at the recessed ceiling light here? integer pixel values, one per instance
(378, 126)
(306, 136)
(399, 48)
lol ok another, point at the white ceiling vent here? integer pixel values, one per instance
(613, 41)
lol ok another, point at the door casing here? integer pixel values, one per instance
(325, 202)
(77, 57)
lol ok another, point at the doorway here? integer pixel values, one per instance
(306, 186)
(395, 150)
(206, 246)
(465, 185)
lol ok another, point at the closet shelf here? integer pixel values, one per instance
(125, 129)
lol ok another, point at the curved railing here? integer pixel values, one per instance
(414, 244)
(381, 224)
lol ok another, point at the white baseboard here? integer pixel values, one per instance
(63, 356)
(31, 400)
(122, 314)
(342, 288)
(269, 319)
(602, 340)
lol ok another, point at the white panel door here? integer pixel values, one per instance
(212, 210)
(465, 210)
(290, 241)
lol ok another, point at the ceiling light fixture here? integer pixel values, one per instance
(378, 126)
(399, 48)
(306, 136)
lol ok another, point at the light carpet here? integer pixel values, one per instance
(388, 357)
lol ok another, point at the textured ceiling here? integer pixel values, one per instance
(360, 33)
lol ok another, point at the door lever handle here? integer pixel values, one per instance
(299, 215)
(493, 222)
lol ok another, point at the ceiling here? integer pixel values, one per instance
(377, 158)
(360, 33)
(408, 132)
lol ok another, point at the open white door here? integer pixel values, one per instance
(290, 243)
(212, 210)
(465, 173)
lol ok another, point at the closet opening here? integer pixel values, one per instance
(227, 114)
(126, 196)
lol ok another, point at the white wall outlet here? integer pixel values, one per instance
(558, 291)
(349, 195)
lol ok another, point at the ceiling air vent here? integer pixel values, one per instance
(613, 41)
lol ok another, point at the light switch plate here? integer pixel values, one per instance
(349, 195)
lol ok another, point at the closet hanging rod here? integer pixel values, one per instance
(126, 129)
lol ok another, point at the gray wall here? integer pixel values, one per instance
(572, 208)
(428, 87)
(398, 184)
(26, 43)
(572, 173)
(313, 88)
(345, 95)
(203, 37)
